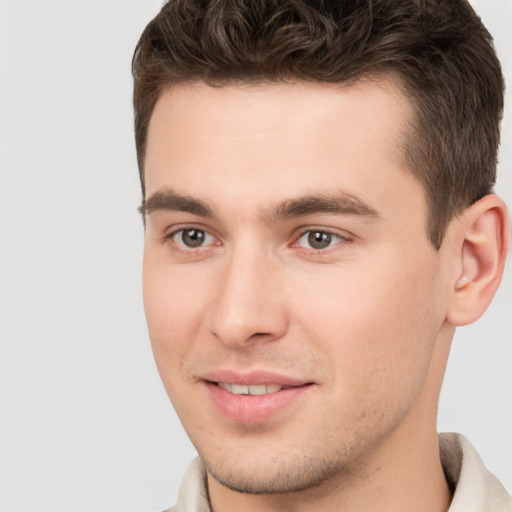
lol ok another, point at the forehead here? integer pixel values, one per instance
(296, 110)
(272, 142)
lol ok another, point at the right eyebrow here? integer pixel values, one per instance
(168, 200)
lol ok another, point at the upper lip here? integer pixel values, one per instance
(255, 377)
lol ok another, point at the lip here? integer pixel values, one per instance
(254, 377)
(254, 409)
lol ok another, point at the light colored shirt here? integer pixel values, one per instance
(475, 488)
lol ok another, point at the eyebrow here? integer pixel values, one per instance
(169, 200)
(337, 203)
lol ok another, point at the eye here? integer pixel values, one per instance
(192, 238)
(318, 240)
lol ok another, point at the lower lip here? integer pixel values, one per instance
(254, 408)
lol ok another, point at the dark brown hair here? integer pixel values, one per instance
(438, 51)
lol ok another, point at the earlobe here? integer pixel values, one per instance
(483, 238)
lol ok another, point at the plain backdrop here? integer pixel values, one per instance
(85, 424)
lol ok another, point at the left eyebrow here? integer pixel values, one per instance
(341, 203)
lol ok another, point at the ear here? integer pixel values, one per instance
(481, 237)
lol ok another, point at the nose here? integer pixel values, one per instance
(248, 306)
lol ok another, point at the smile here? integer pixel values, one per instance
(254, 390)
(251, 399)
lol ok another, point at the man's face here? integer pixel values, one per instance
(295, 304)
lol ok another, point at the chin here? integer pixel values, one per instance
(275, 476)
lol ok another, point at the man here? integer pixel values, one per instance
(317, 193)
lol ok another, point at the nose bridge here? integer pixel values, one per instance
(247, 306)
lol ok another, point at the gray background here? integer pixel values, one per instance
(84, 422)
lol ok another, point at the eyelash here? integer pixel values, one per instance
(181, 245)
(324, 233)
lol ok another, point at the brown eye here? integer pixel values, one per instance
(318, 240)
(192, 237)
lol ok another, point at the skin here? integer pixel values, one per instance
(365, 321)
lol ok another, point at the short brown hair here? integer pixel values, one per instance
(437, 50)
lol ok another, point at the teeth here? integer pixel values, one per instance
(243, 389)
(258, 390)
(239, 389)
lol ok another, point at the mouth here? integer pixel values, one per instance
(251, 389)
(256, 397)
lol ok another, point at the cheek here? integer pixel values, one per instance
(172, 307)
(372, 323)
(171, 312)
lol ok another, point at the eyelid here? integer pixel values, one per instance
(172, 231)
(343, 236)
